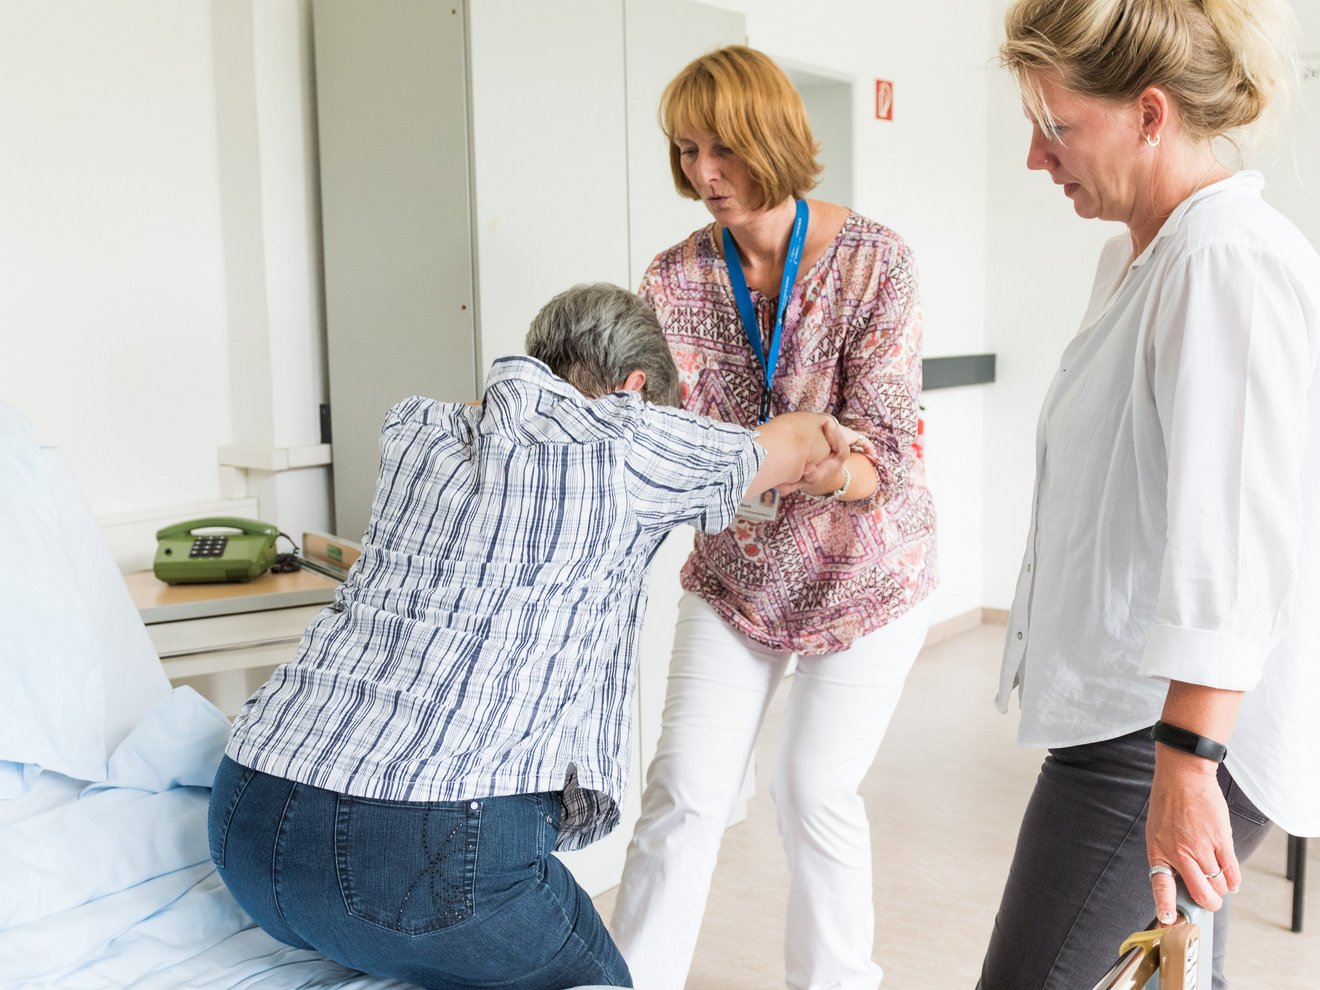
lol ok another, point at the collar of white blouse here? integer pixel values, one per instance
(1236, 180)
(1244, 179)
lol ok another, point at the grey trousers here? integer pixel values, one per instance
(1078, 884)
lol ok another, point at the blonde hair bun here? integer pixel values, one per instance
(1223, 62)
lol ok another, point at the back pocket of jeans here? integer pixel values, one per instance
(407, 866)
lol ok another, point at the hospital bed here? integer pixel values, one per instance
(105, 876)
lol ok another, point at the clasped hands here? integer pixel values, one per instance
(828, 473)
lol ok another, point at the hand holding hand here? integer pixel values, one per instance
(860, 444)
(826, 474)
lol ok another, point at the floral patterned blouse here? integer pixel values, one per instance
(821, 574)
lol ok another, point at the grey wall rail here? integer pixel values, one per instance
(952, 372)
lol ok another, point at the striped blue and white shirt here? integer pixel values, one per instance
(483, 645)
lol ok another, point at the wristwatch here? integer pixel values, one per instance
(1188, 742)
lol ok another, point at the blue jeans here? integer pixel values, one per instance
(447, 894)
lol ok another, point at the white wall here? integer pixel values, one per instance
(114, 309)
(1289, 162)
(162, 296)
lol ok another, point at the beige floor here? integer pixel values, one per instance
(944, 799)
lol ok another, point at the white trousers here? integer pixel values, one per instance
(720, 687)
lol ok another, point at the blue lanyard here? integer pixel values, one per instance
(747, 311)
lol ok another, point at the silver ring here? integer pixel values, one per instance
(1159, 868)
(1218, 873)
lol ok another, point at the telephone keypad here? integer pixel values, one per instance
(208, 546)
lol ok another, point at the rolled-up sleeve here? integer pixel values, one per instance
(1230, 366)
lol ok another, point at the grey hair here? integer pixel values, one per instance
(595, 334)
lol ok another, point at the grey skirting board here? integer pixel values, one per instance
(951, 372)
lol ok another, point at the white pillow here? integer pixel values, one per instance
(134, 678)
(52, 695)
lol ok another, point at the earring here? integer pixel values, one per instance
(1153, 140)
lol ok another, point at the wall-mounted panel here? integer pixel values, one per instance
(549, 157)
(392, 115)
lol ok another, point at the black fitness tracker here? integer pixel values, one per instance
(1188, 742)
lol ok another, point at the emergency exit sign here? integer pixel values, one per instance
(884, 99)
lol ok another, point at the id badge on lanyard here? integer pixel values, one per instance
(761, 511)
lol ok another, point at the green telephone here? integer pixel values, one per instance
(184, 556)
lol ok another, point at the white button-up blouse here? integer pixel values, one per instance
(1175, 530)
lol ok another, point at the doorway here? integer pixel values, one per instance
(828, 98)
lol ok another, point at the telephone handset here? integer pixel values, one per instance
(185, 556)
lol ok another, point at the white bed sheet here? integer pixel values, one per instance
(111, 886)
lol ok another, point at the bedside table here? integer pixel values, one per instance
(223, 640)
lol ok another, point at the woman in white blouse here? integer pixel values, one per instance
(1170, 592)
